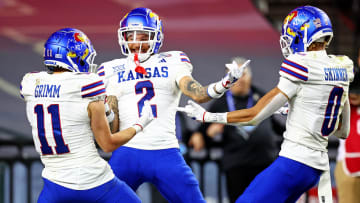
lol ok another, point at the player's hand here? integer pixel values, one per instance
(193, 110)
(235, 72)
(146, 115)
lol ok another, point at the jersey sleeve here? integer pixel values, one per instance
(103, 74)
(93, 88)
(293, 69)
(26, 86)
(182, 65)
(288, 87)
(101, 70)
(109, 69)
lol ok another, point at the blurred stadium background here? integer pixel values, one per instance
(209, 31)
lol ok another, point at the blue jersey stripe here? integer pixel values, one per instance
(95, 93)
(185, 60)
(292, 73)
(102, 67)
(295, 65)
(101, 73)
(92, 85)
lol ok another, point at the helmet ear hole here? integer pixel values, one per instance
(297, 40)
(82, 63)
(327, 39)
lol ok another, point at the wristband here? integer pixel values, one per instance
(221, 87)
(137, 127)
(109, 113)
(212, 93)
(215, 117)
(110, 117)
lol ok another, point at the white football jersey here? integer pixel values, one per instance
(56, 107)
(317, 85)
(159, 86)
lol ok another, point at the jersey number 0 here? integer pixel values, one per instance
(332, 111)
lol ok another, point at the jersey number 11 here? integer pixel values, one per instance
(53, 110)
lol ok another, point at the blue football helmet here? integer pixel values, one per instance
(303, 26)
(141, 21)
(70, 49)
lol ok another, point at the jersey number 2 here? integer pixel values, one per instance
(148, 96)
(332, 111)
(53, 110)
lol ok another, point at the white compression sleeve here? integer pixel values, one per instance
(344, 131)
(277, 102)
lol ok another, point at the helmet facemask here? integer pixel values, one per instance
(146, 40)
(136, 24)
(285, 43)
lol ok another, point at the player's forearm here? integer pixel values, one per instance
(264, 108)
(113, 104)
(120, 138)
(194, 90)
(244, 116)
(114, 125)
(109, 142)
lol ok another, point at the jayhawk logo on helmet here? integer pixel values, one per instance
(290, 17)
(79, 37)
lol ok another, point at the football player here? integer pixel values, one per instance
(315, 85)
(65, 108)
(160, 78)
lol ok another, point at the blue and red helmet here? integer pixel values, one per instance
(141, 20)
(70, 49)
(303, 26)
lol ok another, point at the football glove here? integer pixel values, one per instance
(145, 118)
(235, 72)
(216, 90)
(198, 113)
